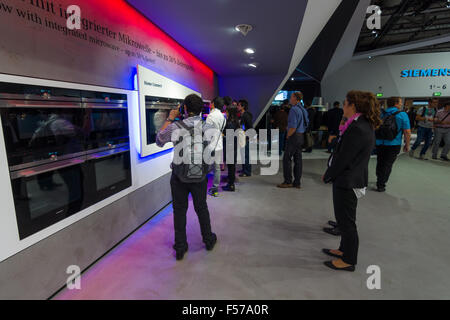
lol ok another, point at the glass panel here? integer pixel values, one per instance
(51, 192)
(111, 171)
(107, 127)
(40, 134)
(155, 120)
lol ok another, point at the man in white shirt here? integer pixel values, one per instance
(217, 120)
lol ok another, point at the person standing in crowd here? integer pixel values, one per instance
(280, 123)
(442, 132)
(312, 116)
(228, 102)
(425, 118)
(348, 171)
(412, 117)
(388, 150)
(297, 125)
(217, 120)
(247, 124)
(193, 106)
(231, 146)
(334, 117)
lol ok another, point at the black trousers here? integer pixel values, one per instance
(294, 146)
(246, 166)
(386, 156)
(345, 203)
(180, 196)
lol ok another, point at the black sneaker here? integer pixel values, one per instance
(213, 192)
(380, 189)
(211, 243)
(180, 252)
(229, 188)
(444, 158)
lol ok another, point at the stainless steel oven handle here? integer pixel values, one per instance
(50, 105)
(30, 172)
(105, 154)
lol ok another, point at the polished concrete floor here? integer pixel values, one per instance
(270, 243)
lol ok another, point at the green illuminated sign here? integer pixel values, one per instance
(437, 94)
(379, 95)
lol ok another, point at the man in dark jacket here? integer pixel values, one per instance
(334, 117)
(246, 123)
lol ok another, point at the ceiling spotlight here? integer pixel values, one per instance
(249, 51)
(252, 65)
(292, 79)
(243, 28)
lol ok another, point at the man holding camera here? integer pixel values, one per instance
(193, 106)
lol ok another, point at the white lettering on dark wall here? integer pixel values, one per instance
(80, 27)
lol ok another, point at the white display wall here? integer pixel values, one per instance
(144, 171)
(384, 75)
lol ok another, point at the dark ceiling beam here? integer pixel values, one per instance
(402, 8)
(423, 5)
(426, 25)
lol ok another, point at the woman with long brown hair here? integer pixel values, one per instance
(348, 171)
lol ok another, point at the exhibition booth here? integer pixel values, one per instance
(79, 167)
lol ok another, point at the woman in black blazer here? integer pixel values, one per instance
(348, 171)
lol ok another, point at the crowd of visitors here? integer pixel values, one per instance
(354, 131)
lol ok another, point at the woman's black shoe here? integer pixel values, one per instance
(328, 252)
(333, 231)
(332, 223)
(211, 243)
(330, 265)
(230, 188)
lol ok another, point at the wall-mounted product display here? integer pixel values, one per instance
(66, 149)
(157, 96)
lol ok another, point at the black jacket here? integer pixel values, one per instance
(334, 117)
(247, 120)
(350, 160)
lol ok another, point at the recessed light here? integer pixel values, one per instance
(252, 65)
(292, 79)
(249, 51)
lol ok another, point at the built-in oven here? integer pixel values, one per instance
(39, 128)
(46, 194)
(108, 120)
(110, 171)
(66, 150)
(156, 112)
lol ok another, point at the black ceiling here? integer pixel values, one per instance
(404, 21)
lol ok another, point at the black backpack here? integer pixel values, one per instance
(388, 129)
(195, 171)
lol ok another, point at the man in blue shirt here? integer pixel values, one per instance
(297, 125)
(388, 150)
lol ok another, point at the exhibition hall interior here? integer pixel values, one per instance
(224, 150)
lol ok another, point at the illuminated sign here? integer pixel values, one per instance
(380, 95)
(425, 73)
(437, 94)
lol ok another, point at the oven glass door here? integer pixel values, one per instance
(110, 172)
(155, 118)
(44, 196)
(108, 126)
(35, 135)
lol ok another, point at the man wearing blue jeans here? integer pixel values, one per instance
(425, 118)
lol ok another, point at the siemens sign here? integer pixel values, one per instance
(425, 73)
